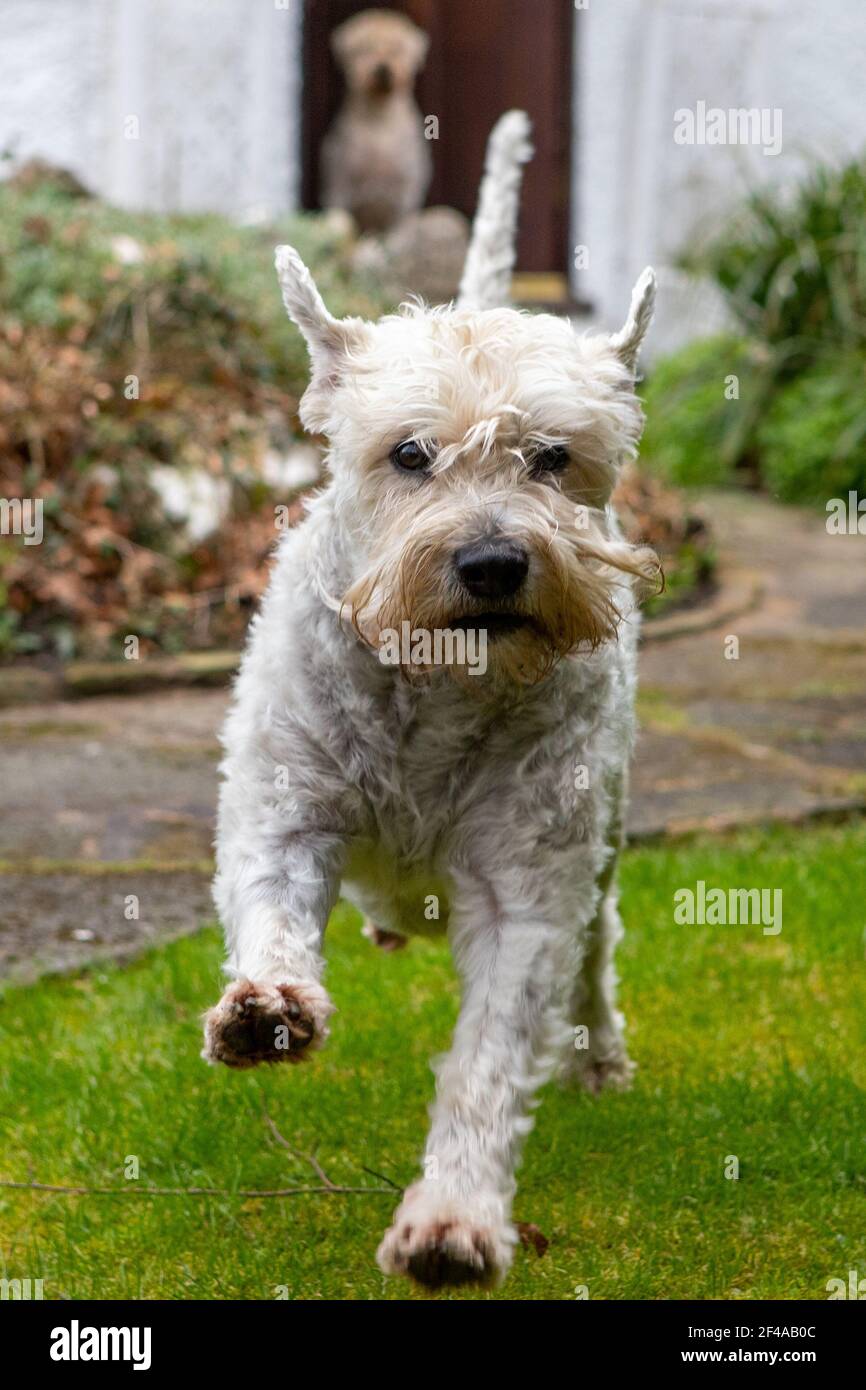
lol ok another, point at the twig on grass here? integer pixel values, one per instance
(316, 1165)
(383, 1177)
(131, 1188)
(304, 1158)
(326, 1187)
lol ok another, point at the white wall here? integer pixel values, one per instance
(54, 82)
(639, 196)
(213, 83)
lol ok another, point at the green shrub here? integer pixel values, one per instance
(694, 433)
(792, 268)
(201, 296)
(813, 440)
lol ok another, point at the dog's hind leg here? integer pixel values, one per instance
(385, 940)
(598, 1058)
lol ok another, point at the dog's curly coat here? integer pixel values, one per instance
(498, 798)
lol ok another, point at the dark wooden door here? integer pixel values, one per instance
(485, 57)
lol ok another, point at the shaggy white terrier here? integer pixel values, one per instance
(473, 450)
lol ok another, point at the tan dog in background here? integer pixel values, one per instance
(375, 160)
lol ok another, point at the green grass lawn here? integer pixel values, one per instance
(748, 1045)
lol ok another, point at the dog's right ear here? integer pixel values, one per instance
(330, 340)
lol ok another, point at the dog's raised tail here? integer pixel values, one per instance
(486, 282)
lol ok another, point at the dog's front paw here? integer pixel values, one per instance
(266, 1023)
(440, 1242)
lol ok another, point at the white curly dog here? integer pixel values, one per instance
(473, 450)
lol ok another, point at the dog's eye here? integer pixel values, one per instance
(410, 456)
(551, 460)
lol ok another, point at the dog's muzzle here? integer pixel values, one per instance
(383, 79)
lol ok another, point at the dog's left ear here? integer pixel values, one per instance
(329, 340)
(627, 342)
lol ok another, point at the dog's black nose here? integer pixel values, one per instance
(491, 569)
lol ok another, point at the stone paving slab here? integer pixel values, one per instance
(128, 777)
(63, 921)
(682, 786)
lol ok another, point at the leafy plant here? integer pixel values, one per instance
(694, 431)
(792, 268)
(813, 441)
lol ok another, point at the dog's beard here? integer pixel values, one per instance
(582, 582)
